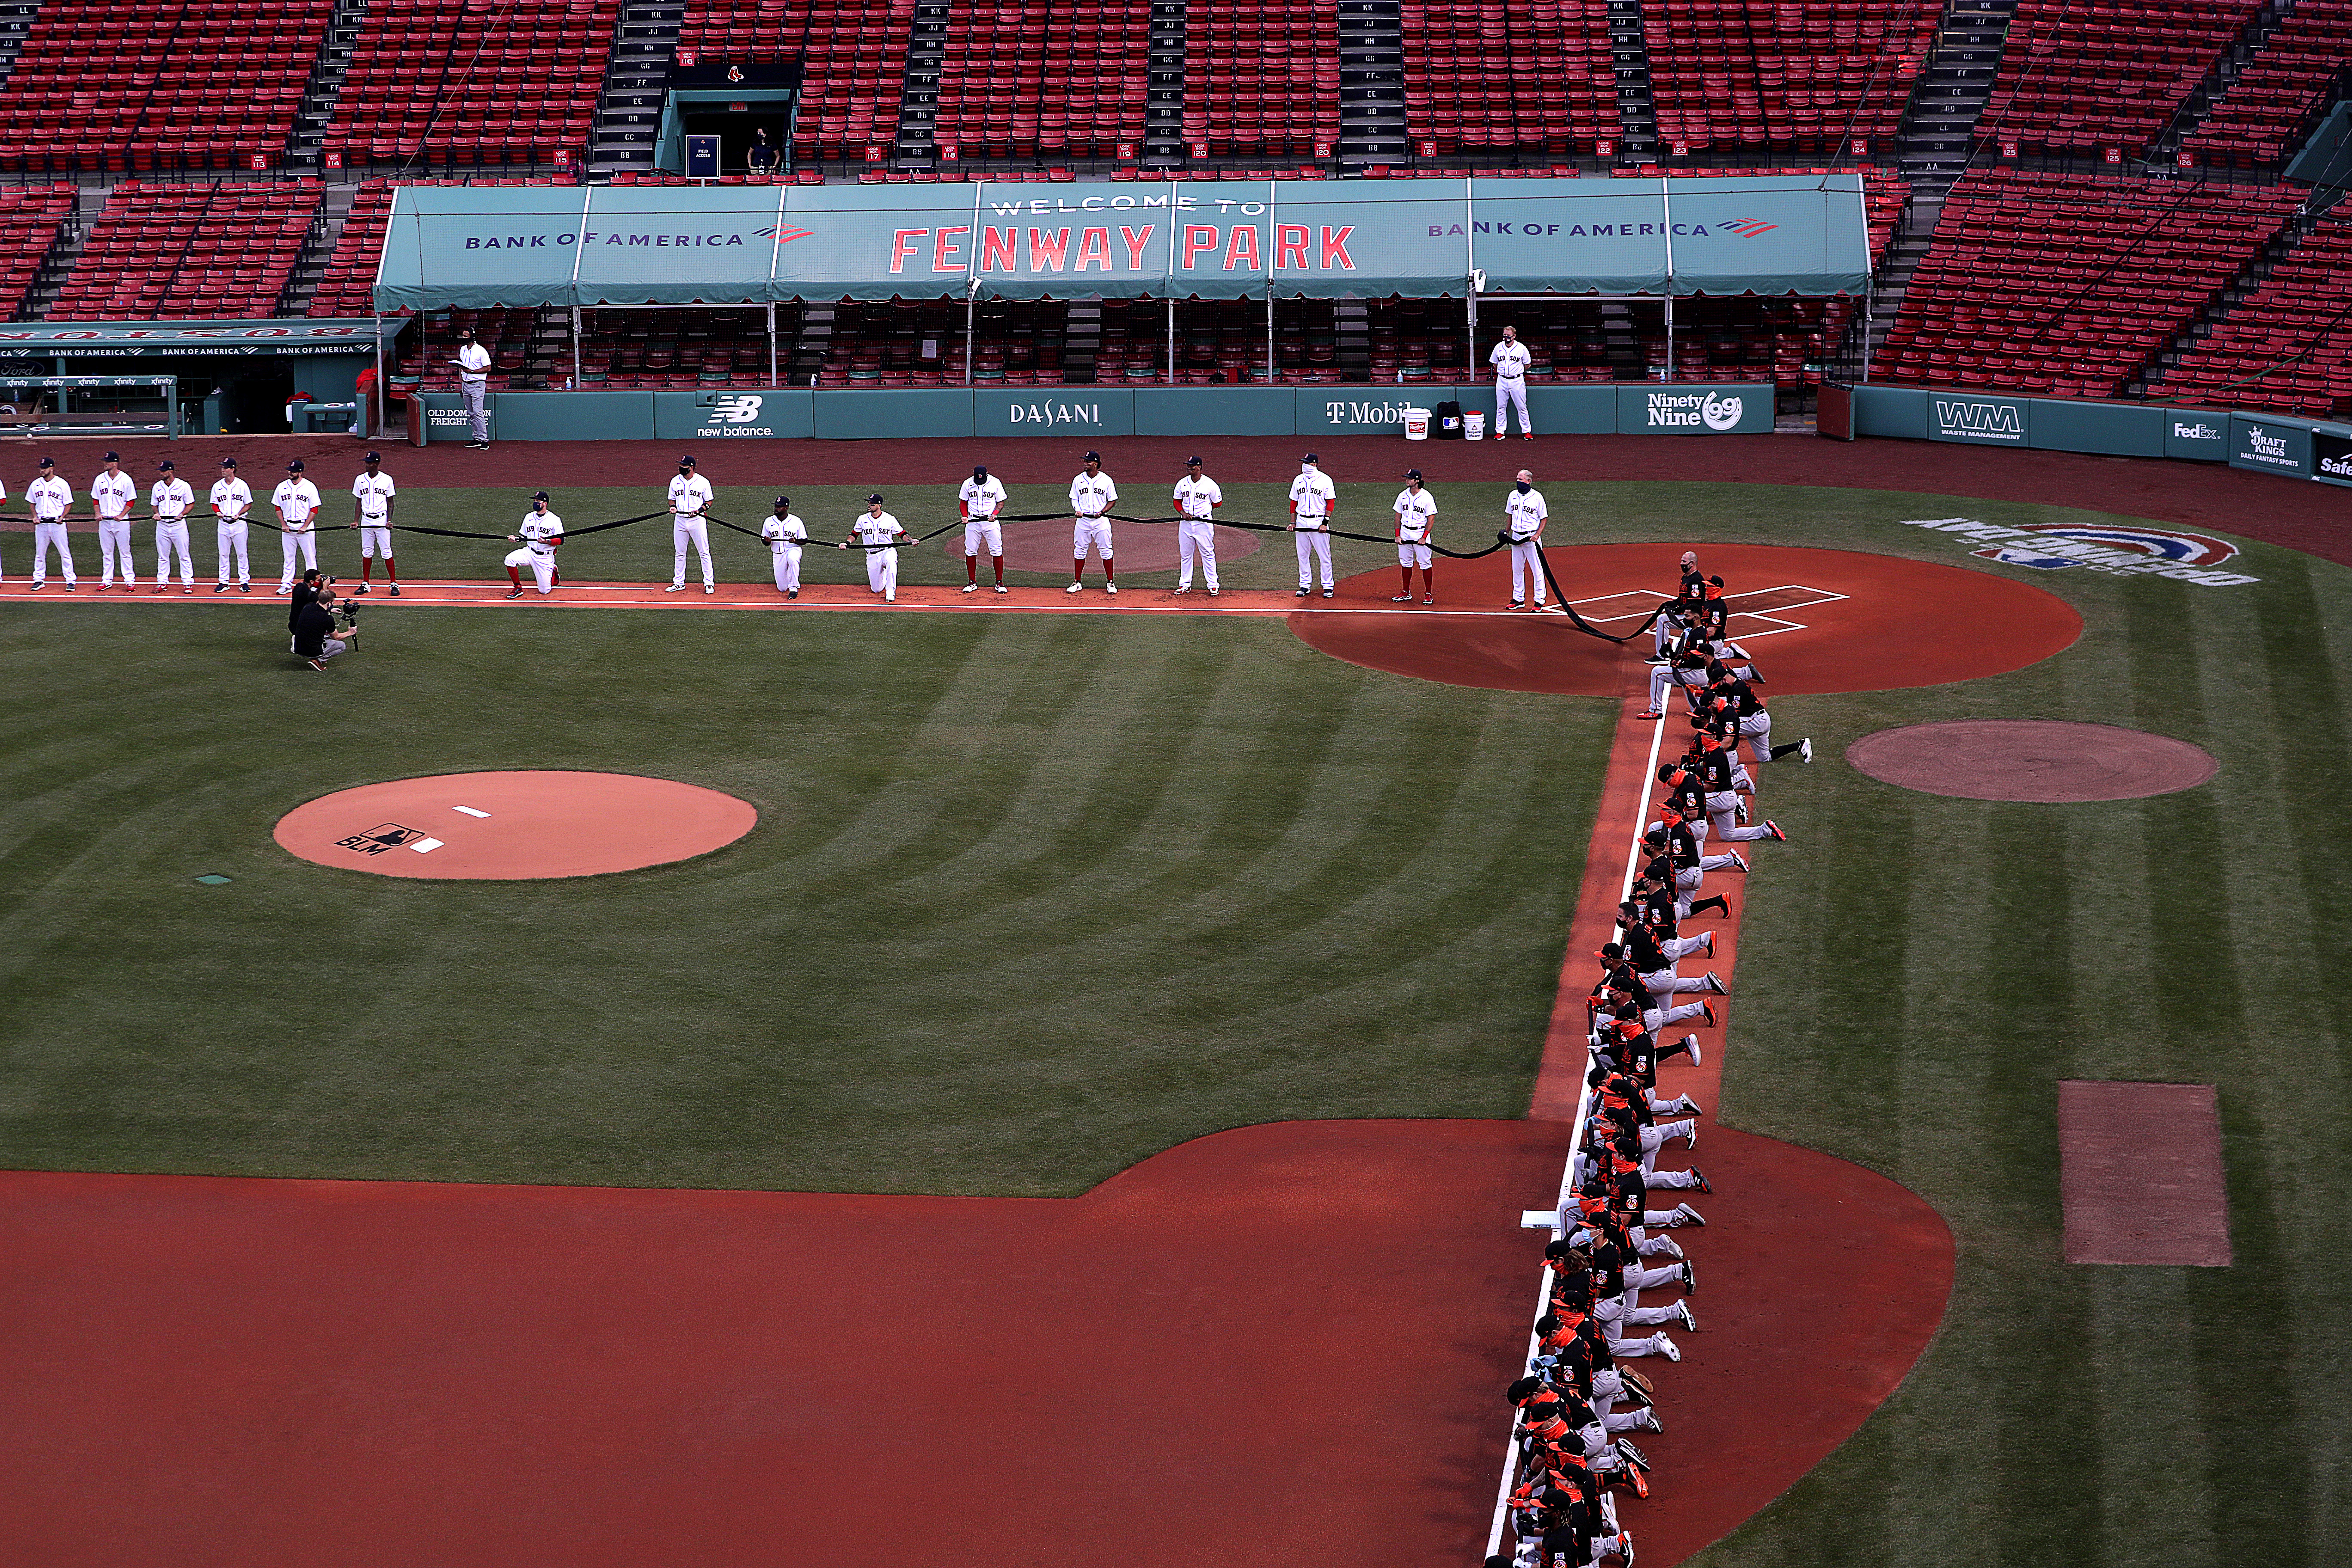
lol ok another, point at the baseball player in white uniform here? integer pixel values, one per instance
(231, 500)
(786, 534)
(473, 363)
(111, 496)
(979, 500)
(1197, 500)
(1092, 494)
(879, 532)
(1416, 509)
(296, 501)
(1524, 515)
(50, 497)
(541, 533)
(1510, 362)
(689, 498)
(373, 493)
(171, 500)
(1314, 501)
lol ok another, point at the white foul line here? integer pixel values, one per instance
(1575, 1139)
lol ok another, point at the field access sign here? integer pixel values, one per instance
(477, 247)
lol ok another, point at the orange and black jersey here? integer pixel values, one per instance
(1642, 949)
(1743, 700)
(1681, 844)
(1685, 794)
(1714, 770)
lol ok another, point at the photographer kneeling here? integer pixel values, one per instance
(315, 627)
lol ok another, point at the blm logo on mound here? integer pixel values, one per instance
(384, 835)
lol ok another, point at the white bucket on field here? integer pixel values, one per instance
(1473, 426)
(1416, 424)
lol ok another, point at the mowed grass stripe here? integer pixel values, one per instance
(2107, 1415)
(1032, 899)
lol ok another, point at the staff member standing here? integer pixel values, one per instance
(232, 498)
(297, 500)
(784, 534)
(980, 498)
(1510, 362)
(473, 363)
(1415, 510)
(1314, 502)
(689, 498)
(111, 494)
(1524, 517)
(1197, 500)
(372, 494)
(879, 532)
(171, 500)
(1092, 494)
(541, 533)
(50, 496)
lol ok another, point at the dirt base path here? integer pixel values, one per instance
(1281, 1345)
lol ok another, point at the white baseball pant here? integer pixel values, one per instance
(1196, 538)
(375, 539)
(173, 534)
(1511, 393)
(1314, 546)
(1526, 558)
(787, 567)
(45, 535)
(1411, 553)
(113, 539)
(1656, 1019)
(231, 539)
(305, 544)
(980, 531)
(543, 566)
(1664, 631)
(1666, 983)
(1755, 732)
(1723, 819)
(1086, 531)
(882, 572)
(682, 529)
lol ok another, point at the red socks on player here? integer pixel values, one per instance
(972, 569)
(999, 566)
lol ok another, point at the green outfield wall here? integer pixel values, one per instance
(1680, 408)
(2266, 443)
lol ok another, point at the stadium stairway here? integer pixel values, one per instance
(1372, 84)
(317, 250)
(2209, 316)
(16, 21)
(63, 255)
(1637, 108)
(916, 145)
(636, 79)
(1163, 105)
(306, 139)
(1934, 142)
(2222, 76)
(1914, 233)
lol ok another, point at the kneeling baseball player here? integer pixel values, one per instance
(541, 531)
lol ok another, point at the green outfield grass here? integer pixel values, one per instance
(1034, 898)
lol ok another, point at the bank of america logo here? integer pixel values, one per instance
(1748, 228)
(784, 236)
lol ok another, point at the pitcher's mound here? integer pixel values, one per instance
(2031, 759)
(513, 826)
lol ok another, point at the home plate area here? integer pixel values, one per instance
(1838, 620)
(513, 825)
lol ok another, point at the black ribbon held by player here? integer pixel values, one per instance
(569, 532)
